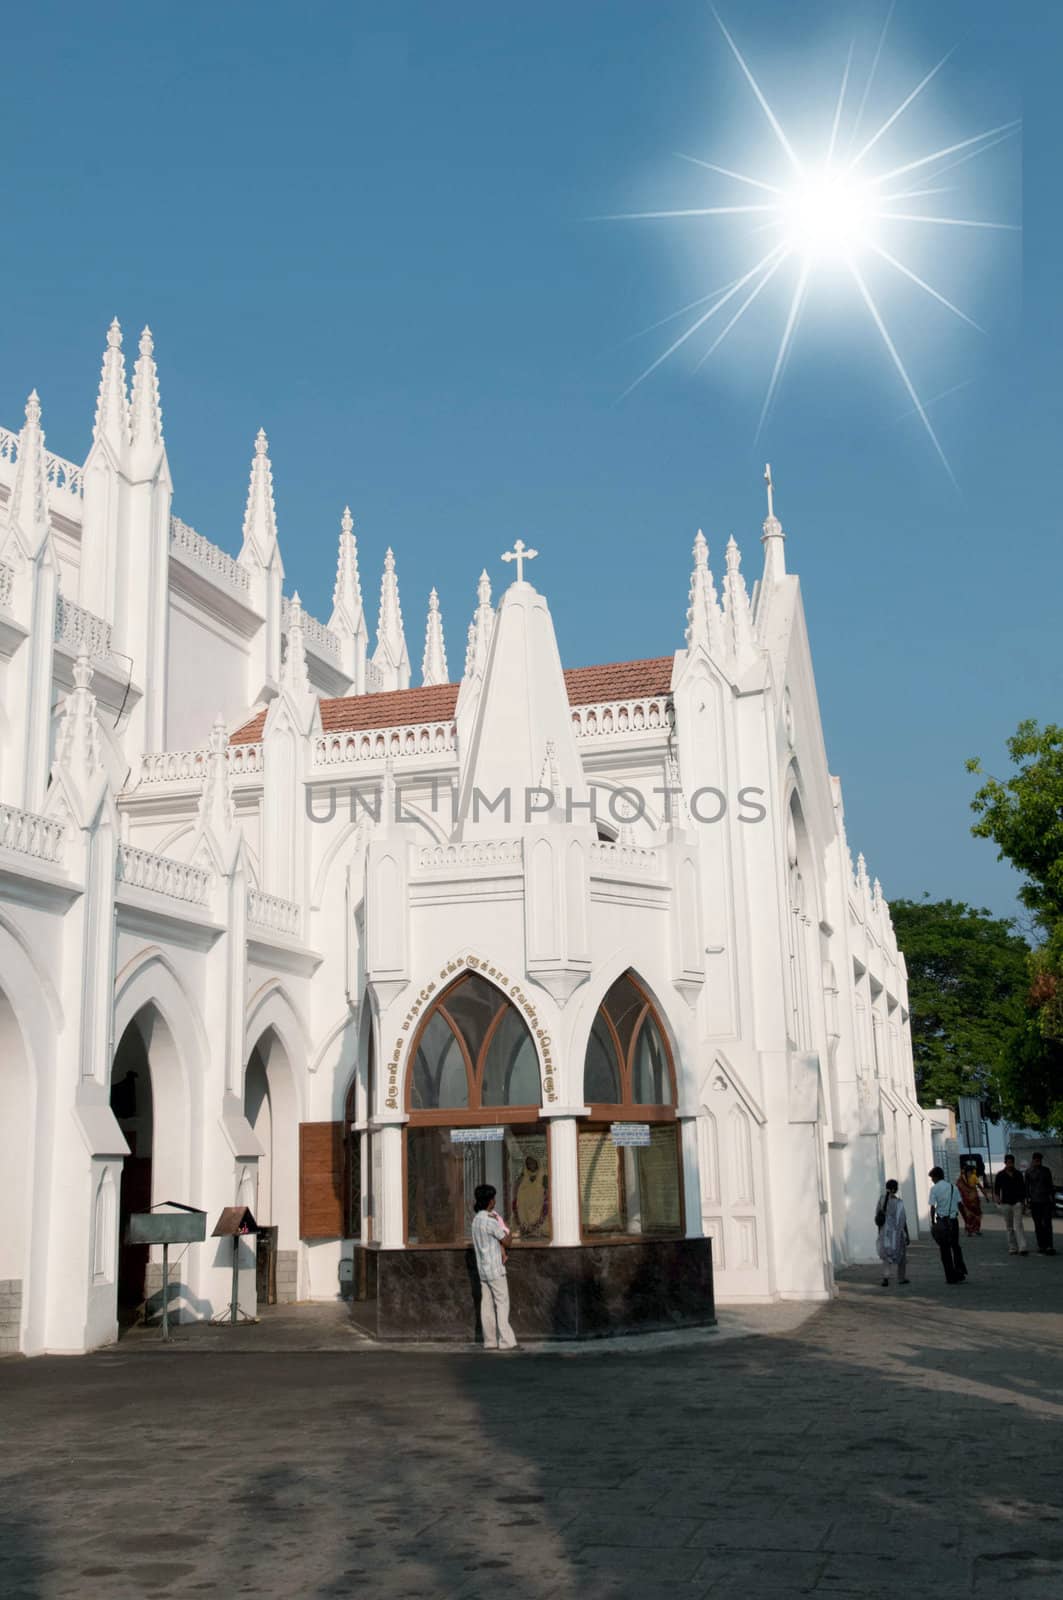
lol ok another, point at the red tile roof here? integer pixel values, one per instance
(620, 680)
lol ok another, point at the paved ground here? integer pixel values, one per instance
(896, 1442)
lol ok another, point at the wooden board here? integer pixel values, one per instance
(321, 1174)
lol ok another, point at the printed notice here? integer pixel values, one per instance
(599, 1183)
(631, 1134)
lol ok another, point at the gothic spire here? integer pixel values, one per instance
(216, 801)
(773, 539)
(145, 412)
(391, 655)
(434, 665)
(348, 613)
(294, 673)
(112, 400)
(704, 617)
(28, 506)
(483, 622)
(736, 610)
(260, 517)
(78, 739)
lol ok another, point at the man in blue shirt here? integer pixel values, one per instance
(945, 1225)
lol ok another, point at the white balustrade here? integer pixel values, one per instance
(189, 766)
(63, 476)
(472, 853)
(30, 834)
(81, 631)
(374, 744)
(624, 859)
(180, 880)
(609, 718)
(192, 547)
(7, 585)
(271, 912)
(322, 640)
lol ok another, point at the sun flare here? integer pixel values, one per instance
(830, 211)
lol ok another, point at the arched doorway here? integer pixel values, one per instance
(270, 1108)
(629, 1189)
(473, 1095)
(133, 1105)
(150, 1103)
(15, 1147)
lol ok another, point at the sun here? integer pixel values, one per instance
(832, 211)
(828, 216)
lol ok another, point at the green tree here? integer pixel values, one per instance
(1023, 815)
(967, 980)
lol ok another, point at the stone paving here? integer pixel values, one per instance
(900, 1441)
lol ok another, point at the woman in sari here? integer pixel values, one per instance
(892, 1234)
(971, 1201)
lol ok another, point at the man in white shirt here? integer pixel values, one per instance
(489, 1238)
(945, 1225)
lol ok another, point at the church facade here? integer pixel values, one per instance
(281, 928)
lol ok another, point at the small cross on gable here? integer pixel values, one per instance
(520, 554)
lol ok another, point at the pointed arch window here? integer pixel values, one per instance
(474, 1066)
(629, 1077)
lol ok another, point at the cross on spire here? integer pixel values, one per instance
(771, 488)
(520, 554)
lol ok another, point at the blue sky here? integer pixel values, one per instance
(366, 228)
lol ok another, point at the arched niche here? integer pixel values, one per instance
(629, 1083)
(473, 1095)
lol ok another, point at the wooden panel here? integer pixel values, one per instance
(321, 1180)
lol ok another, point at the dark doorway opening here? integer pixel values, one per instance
(131, 1102)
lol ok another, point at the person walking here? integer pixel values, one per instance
(490, 1236)
(1041, 1199)
(970, 1188)
(945, 1225)
(1009, 1191)
(892, 1234)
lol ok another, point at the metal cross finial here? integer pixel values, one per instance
(771, 488)
(520, 554)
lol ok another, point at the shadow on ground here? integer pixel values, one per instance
(896, 1441)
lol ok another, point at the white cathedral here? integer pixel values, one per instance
(280, 930)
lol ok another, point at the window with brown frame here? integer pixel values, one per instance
(474, 1066)
(629, 1076)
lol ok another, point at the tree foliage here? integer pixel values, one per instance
(1023, 815)
(967, 981)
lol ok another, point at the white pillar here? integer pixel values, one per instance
(564, 1173)
(688, 1134)
(392, 1222)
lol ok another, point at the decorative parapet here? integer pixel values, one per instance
(610, 718)
(320, 639)
(374, 678)
(199, 552)
(269, 911)
(189, 766)
(141, 869)
(374, 744)
(624, 859)
(62, 475)
(81, 631)
(473, 853)
(30, 834)
(7, 585)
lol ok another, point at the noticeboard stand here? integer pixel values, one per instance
(180, 1225)
(235, 1223)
